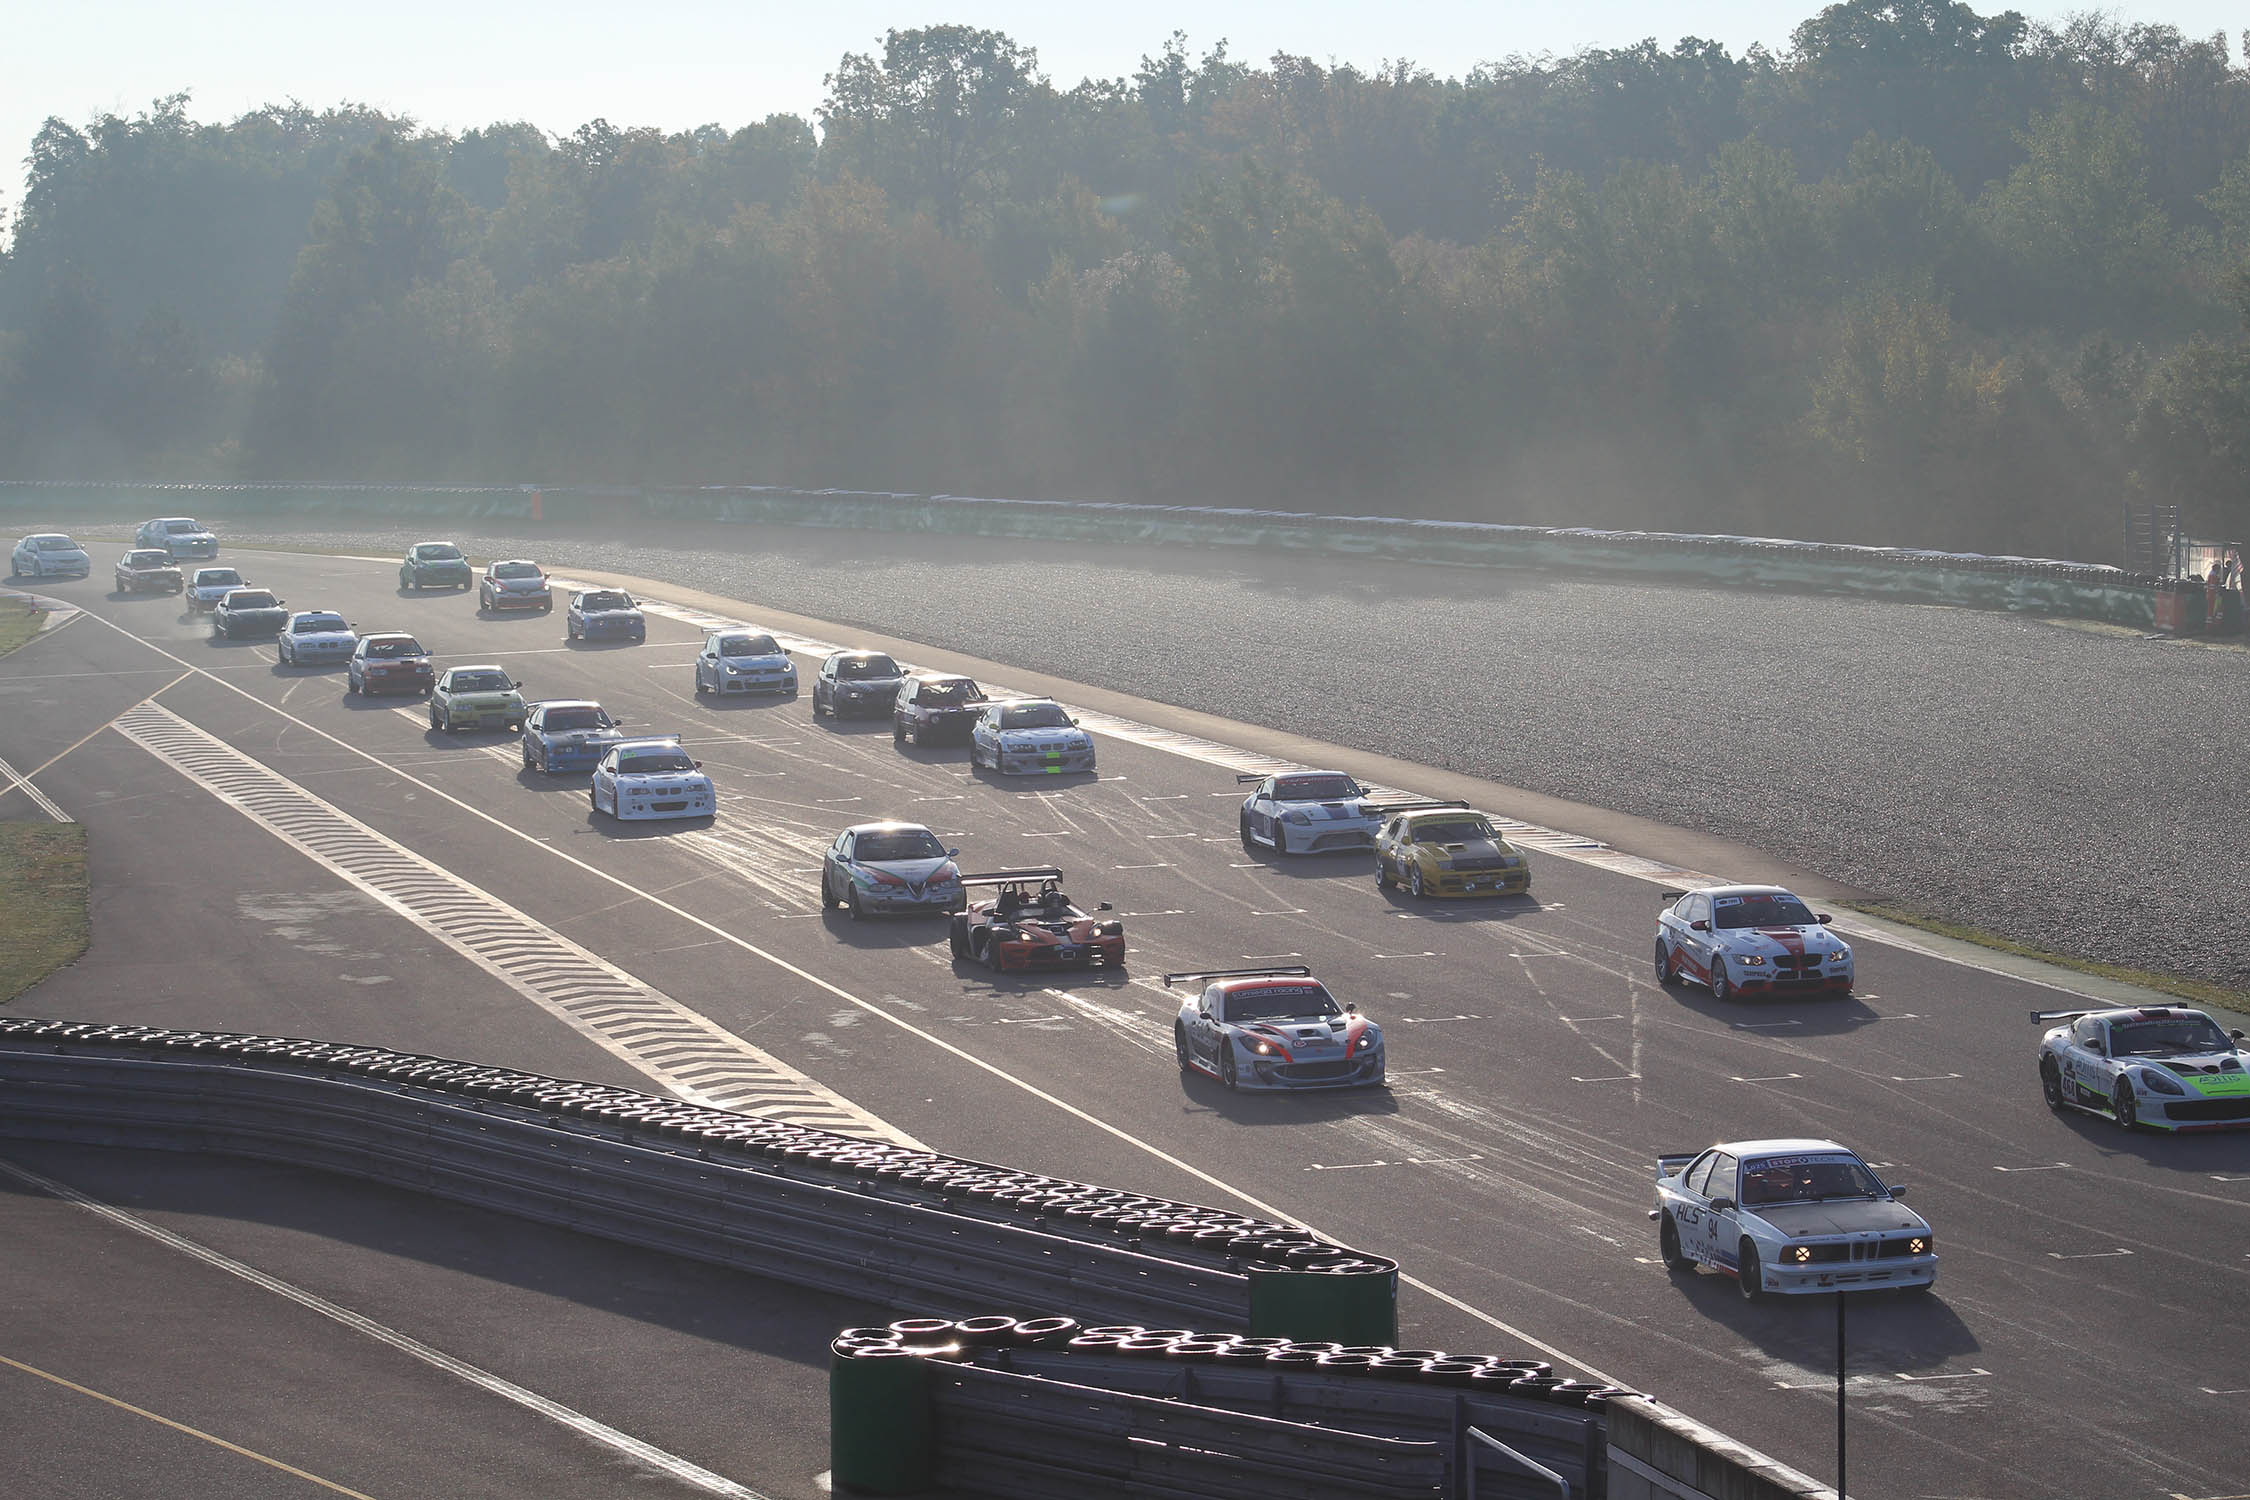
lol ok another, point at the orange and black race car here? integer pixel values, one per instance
(1030, 924)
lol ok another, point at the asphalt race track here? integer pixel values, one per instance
(2087, 1337)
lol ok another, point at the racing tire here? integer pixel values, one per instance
(527, 758)
(1228, 1073)
(1722, 989)
(700, 689)
(2050, 1084)
(2124, 1106)
(857, 911)
(593, 801)
(1384, 879)
(957, 936)
(1667, 967)
(434, 721)
(1249, 845)
(1180, 1048)
(1414, 884)
(898, 732)
(817, 710)
(1668, 1247)
(1748, 1273)
(351, 684)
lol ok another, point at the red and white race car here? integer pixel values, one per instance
(1273, 1028)
(1750, 940)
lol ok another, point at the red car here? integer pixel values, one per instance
(1030, 924)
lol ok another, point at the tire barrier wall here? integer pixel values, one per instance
(902, 1228)
(2021, 584)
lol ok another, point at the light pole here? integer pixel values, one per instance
(1839, 1394)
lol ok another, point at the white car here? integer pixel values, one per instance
(1750, 940)
(651, 778)
(182, 536)
(317, 637)
(1791, 1217)
(890, 867)
(744, 661)
(50, 554)
(1308, 812)
(1029, 737)
(2163, 1066)
(1275, 1028)
(207, 586)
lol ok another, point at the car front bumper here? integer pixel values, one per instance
(1363, 1071)
(304, 651)
(396, 682)
(1847, 1276)
(150, 583)
(1045, 762)
(1766, 980)
(1101, 953)
(541, 600)
(2164, 1112)
(641, 806)
(757, 682)
(1478, 882)
(861, 705)
(248, 629)
(892, 899)
(483, 718)
(1324, 838)
(193, 549)
(602, 627)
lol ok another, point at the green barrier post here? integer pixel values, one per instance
(882, 1429)
(1354, 1309)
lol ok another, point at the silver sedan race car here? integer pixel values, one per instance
(1030, 737)
(49, 555)
(651, 778)
(182, 536)
(514, 584)
(207, 586)
(1790, 1217)
(890, 867)
(1743, 940)
(149, 570)
(2163, 1066)
(1276, 1028)
(316, 637)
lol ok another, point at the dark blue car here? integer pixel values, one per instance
(604, 615)
(563, 736)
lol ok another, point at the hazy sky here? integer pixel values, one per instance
(559, 63)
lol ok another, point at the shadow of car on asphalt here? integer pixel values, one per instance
(2206, 1154)
(879, 930)
(1797, 1015)
(1285, 1106)
(1894, 1332)
(1033, 981)
(642, 828)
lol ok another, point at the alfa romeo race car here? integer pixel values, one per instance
(1308, 812)
(315, 637)
(1030, 924)
(651, 778)
(890, 867)
(1029, 736)
(243, 613)
(1789, 1216)
(1448, 852)
(1275, 1028)
(50, 555)
(2167, 1067)
(934, 709)
(434, 565)
(483, 697)
(149, 570)
(514, 584)
(744, 661)
(564, 735)
(389, 662)
(604, 615)
(207, 586)
(1750, 940)
(182, 536)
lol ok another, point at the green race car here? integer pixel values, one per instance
(476, 698)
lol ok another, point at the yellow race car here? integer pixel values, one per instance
(1448, 852)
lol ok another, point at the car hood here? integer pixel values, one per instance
(259, 612)
(669, 778)
(486, 699)
(581, 736)
(63, 554)
(609, 614)
(1351, 810)
(177, 537)
(1472, 849)
(339, 638)
(1769, 940)
(2202, 1073)
(912, 871)
(520, 585)
(1844, 1216)
(1042, 739)
(760, 663)
(442, 562)
(211, 590)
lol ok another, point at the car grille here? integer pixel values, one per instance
(2209, 1109)
(1480, 862)
(1314, 1072)
(1356, 839)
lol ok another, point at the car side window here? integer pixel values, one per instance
(844, 846)
(1698, 1175)
(2087, 1032)
(1699, 908)
(1722, 1184)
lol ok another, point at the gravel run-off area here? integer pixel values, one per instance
(2075, 788)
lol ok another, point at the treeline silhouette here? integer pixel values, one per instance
(1927, 277)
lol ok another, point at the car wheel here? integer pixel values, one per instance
(1414, 882)
(817, 710)
(1721, 987)
(593, 801)
(2123, 1105)
(700, 689)
(1667, 965)
(1668, 1246)
(898, 732)
(957, 935)
(351, 683)
(434, 724)
(2050, 1083)
(852, 904)
(1249, 845)
(1228, 1074)
(527, 757)
(1384, 879)
(1749, 1275)
(1180, 1047)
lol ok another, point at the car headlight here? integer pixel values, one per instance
(1840, 956)
(1263, 1049)
(1796, 1255)
(1296, 817)
(1445, 864)
(1921, 1244)
(1750, 960)
(2159, 1083)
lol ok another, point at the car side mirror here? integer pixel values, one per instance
(279, 602)
(1721, 1205)
(697, 764)
(1699, 926)
(517, 686)
(1824, 919)
(1351, 1007)
(2237, 1035)
(1104, 906)
(956, 854)
(1074, 723)
(1898, 1192)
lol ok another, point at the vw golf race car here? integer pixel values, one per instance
(890, 867)
(1750, 940)
(1448, 852)
(744, 661)
(207, 586)
(651, 778)
(1789, 1216)
(1031, 924)
(1030, 737)
(565, 735)
(1275, 1028)
(2165, 1066)
(482, 697)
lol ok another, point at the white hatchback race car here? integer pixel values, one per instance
(1275, 1028)
(1030, 737)
(49, 555)
(2163, 1066)
(1744, 940)
(1791, 1217)
(651, 778)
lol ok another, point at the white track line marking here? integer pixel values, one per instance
(23, 783)
(507, 1390)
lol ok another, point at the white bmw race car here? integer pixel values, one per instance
(1790, 1217)
(2163, 1066)
(1750, 940)
(651, 778)
(1030, 737)
(1275, 1028)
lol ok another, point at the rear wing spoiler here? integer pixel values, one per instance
(1672, 1166)
(1271, 971)
(1013, 877)
(1249, 778)
(2057, 1017)
(1416, 804)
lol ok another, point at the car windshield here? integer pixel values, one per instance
(57, 544)
(1315, 788)
(576, 718)
(1453, 830)
(319, 624)
(515, 570)
(605, 601)
(397, 645)
(749, 645)
(149, 560)
(481, 682)
(1279, 1002)
(646, 762)
(438, 552)
(1764, 909)
(2157, 1036)
(1034, 716)
(866, 666)
(249, 599)
(1806, 1179)
(959, 690)
(213, 577)
(897, 843)
(181, 528)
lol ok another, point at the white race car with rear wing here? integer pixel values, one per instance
(1275, 1028)
(1315, 812)
(1742, 940)
(2163, 1066)
(1791, 1217)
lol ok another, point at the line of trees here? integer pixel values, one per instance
(1927, 277)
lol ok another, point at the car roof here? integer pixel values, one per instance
(889, 826)
(504, 562)
(316, 614)
(1021, 703)
(860, 651)
(1781, 1146)
(565, 703)
(2148, 1013)
(1745, 890)
(214, 568)
(648, 742)
(389, 635)
(168, 520)
(49, 536)
(247, 588)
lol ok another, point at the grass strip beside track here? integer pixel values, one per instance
(43, 891)
(19, 622)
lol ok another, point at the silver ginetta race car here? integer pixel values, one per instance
(1749, 940)
(1275, 1028)
(1790, 1216)
(1308, 812)
(2163, 1066)
(651, 778)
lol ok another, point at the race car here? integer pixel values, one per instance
(389, 662)
(1448, 852)
(182, 536)
(1308, 812)
(651, 777)
(890, 867)
(1030, 924)
(316, 636)
(1790, 1217)
(514, 584)
(434, 565)
(207, 586)
(244, 613)
(476, 698)
(1750, 940)
(602, 615)
(50, 555)
(564, 735)
(744, 661)
(1029, 737)
(856, 683)
(1273, 1028)
(931, 708)
(149, 570)
(2163, 1066)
